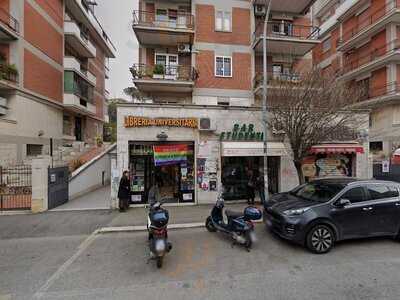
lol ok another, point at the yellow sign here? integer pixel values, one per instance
(131, 121)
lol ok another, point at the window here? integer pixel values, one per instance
(318, 192)
(377, 192)
(34, 150)
(326, 45)
(223, 66)
(354, 195)
(161, 15)
(376, 147)
(223, 21)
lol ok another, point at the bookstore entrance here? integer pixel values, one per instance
(169, 164)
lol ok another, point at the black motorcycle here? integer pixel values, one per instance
(239, 226)
(157, 223)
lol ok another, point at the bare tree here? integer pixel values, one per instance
(311, 110)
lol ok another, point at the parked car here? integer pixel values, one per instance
(324, 211)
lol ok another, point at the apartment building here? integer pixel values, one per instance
(360, 45)
(53, 71)
(199, 71)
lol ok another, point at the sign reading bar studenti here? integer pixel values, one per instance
(131, 121)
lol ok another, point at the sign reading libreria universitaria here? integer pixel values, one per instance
(242, 133)
(131, 121)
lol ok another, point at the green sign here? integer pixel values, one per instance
(242, 133)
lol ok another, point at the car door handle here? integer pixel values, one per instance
(397, 204)
(367, 208)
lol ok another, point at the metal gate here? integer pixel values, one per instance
(15, 187)
(58, 186)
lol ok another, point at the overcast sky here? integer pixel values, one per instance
(116, 18)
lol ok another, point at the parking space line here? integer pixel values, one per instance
(81, 248)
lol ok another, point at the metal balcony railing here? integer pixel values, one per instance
(276, 78)
(7, 19)
(82, 89)
(353, 61)
(287, 30)
(371, 18)
(181, 73)
(180, 20)
(8, 72)
(389, 89)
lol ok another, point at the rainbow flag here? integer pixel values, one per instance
(170, 154)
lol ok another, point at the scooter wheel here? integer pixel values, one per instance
(210, 225)
(159, 262)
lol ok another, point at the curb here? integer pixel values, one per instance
(15, 213)
(144, 227)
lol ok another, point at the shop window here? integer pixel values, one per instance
(223, 66)
(223, 21)
(34, 150)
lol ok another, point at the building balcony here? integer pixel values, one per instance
(78, 40)
(286, 38)
(78, 94)
(153, 29)
(288, 6)
(8, 76)
(377, 97)
(72, 64)
(374, 59)
(370, 25)
(274, 80)
(160, 78)
(9, 26)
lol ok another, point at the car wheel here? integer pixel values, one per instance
(210, 225)
(320, 239)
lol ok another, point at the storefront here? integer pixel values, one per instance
(330, 160)
(169, 164)
(191, 150)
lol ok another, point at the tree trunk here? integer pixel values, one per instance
(299, 170)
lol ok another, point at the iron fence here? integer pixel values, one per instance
(15, 187)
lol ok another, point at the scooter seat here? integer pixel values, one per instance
(233, 214)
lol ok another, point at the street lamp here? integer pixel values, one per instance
(264, 100)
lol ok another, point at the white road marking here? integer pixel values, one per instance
(81, 248)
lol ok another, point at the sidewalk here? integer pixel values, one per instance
(177, 215)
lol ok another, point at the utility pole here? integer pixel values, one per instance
(264, 100)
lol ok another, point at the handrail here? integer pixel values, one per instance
(287, 29)
(351, 64)
(372, 18)
(276, 77)
(182, 20)
(7, 19)
(166, 72)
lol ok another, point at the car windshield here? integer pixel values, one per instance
(317, 191)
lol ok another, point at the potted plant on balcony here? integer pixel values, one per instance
(158, 72)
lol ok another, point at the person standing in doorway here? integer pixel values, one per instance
(251, 182)
(124, 192)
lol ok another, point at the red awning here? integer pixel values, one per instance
(337, 148)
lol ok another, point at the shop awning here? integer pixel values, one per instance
(337, 148)
(252, 149)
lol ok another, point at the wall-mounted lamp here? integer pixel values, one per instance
(162, 136)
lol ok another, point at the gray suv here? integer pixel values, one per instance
(319, 213)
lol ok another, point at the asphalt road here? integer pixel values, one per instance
(201, 265)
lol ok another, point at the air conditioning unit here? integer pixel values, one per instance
(259, 10)
(206, 124)
(3, 106)
(184, 48)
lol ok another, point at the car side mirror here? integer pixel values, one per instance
(342, 202)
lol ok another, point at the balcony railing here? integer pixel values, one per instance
(370, 19)
(80, 88)
(287, 30)
(7, 19)
(381, 91)
(181, 73)
(276, 78)
(8, 72)
(352, 63)
(180, 20)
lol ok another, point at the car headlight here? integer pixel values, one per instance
(295, 212)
